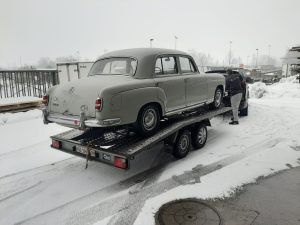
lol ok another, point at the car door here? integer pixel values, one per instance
(170, 81)
(195, 83)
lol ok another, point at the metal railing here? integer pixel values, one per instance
(18, 83)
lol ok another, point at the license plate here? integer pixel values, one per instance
(106, 157)
(83, 150)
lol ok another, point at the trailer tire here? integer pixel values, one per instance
(244, 112)
(199, 136)
(182, 145)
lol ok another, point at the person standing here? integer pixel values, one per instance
(234, 85)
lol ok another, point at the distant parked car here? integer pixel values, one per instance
(135, 87)
(243, 109)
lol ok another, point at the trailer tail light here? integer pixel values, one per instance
(45, 100)
(56, 144)
(120, 163)
(98, 104)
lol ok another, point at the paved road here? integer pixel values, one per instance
(272, 201)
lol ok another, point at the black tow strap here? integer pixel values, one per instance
(88, 156)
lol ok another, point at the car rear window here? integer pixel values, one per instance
(114, 66)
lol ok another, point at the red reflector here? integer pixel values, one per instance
(98, 104)
(56, 144)
(120, 163)
(45, 100)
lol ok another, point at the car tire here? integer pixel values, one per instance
(182, 145)
(244, 112)
(218, 99)
(199, 136)
(148, 120)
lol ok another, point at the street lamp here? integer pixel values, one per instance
(269, 59)
(256, 57)
(175, 41)
(230, 53)
(151, 42)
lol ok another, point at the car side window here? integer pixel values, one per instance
(166, 65)
(186, 65)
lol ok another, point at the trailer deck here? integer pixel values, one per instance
(122, 144)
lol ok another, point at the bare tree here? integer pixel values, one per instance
(202, 59)
(69, 58)
(46, 62)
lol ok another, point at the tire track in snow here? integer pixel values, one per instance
(131, 203)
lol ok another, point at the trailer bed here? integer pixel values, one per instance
(104, 147)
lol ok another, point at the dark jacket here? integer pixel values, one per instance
(235, 84)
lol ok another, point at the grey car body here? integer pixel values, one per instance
(124, 93)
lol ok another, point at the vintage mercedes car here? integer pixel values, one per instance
(133, 87)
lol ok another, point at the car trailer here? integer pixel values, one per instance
(118, 147)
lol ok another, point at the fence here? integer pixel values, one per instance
(20, 83)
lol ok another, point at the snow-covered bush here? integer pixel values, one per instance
(257, 90)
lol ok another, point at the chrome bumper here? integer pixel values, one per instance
(80, 122)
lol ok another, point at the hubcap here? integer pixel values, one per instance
(150, 119)
(218, 98)
(184, 143)
(201, 135)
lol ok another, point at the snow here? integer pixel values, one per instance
(268, 140)
(39, 184)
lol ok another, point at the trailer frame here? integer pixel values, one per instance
(120, 146)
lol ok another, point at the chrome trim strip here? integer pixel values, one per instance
(77, 122)
(176, 111)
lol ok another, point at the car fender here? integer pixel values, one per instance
(132, 101)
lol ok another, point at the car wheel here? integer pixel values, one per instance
(199, 136)
(148, 120)
(182, 145)
(244, 112)
(218, 99)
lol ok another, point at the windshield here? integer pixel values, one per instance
(114, 66)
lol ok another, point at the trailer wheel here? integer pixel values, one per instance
(199, 136)
(182, 145)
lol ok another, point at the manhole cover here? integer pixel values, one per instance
(188, 212)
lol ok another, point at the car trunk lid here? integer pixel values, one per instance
(73, 97)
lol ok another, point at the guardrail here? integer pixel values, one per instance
(18, 83)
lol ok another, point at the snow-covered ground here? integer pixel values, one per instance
(39, 185)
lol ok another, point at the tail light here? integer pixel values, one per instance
(45, 100)
(56, 144)
(120, 163)
(98, 104)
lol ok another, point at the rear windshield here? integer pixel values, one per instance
(114, 66)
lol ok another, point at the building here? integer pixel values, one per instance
(72, 71)
(291, 63)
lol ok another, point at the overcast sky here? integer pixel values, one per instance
(30, 29)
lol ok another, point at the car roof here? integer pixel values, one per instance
(145, 56)
(141, 52)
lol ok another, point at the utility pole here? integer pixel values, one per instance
(248, 60)
(256, 57)
(175, 41)
(151, 42)
(230, 53)
(269, 58)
